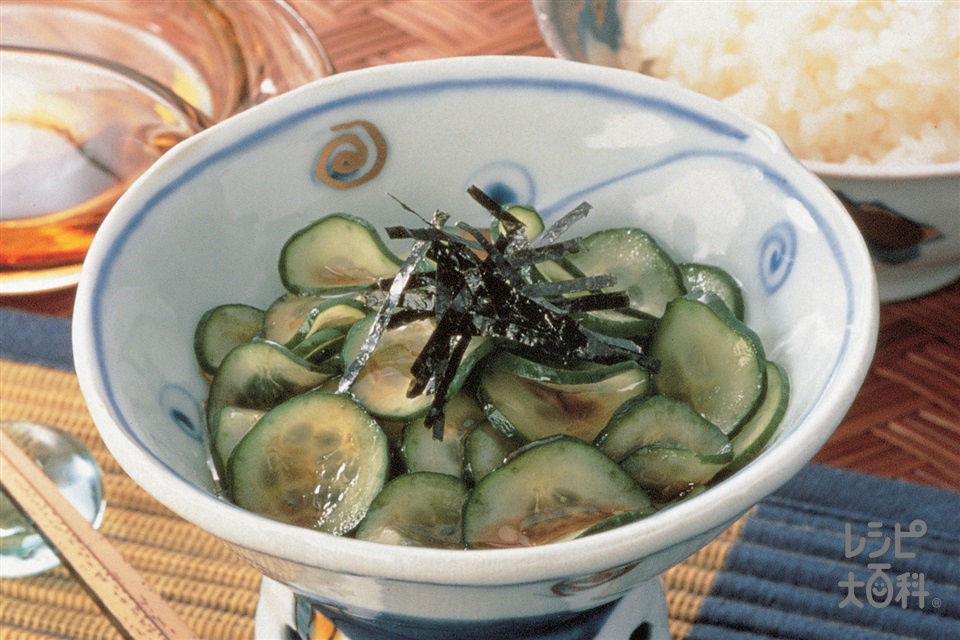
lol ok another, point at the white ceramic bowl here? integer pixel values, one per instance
(205, 225)
(908, 214)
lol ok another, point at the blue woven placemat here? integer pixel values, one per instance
(840, 555)
(832, 555)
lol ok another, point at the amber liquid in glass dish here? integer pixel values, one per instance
(53, 201)
(68, 150)
(94, 92)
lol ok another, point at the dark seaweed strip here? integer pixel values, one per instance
(562, 225)
(494, 297)
(594, 302)
(510, 221)
(495, 256)
(435, 417)
(452, 267)
(574, 285)
(515, 333)
(386, 309)
(414, 302)
(416, 280)
(532, 255)
(478, 235)
(430, 362)
(429, 234)
(622, 349)
(398, 233)
(516, 240)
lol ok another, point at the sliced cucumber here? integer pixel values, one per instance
(621, 323)
(708, 278)
(710, 360)
(548, 492)
(323, 349)
(528, 216)
(383, 382)
(755, 434)
(260, 375)
(642, 268)
(486, 448)
(315, 461)
(228, 427)
(292, 319)
(339, 252)
(420, 451)
(668, 472)
(221, 329)
(540, 401)
(419, 509)
(284, 321)
(333, 313)
(645, 421)
(618, 521)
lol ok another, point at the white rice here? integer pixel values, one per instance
(846, 82)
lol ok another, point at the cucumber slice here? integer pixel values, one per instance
(710, 360)
(315, 461)
(334, 313)
(420, 451)
(668, 472)
(229, 426)
(292, 319)
(642, 268)
(323, 349)
(645, 421)
(284, 320)
(708, 278)
(221, 329)
(486, 448)
(760, 428)
(384, 380)
(625, 323)
(549, 491)
(528, 216)
(382, 384)
(419, 509)
(260, 375)
(614, 522)
(538, 401)
(337, 253)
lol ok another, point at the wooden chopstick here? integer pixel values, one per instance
(135, 608)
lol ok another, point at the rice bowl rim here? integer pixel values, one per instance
(868, 172)
(881, 172)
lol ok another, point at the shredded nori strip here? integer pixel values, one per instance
(561, 287)
(494, 296)
(595, 302)
(532, 255)
(562, 225)
(387, 308)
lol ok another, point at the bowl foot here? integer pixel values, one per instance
(640, 615)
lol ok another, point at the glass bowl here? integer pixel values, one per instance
(202, 60)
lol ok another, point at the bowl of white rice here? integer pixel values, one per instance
(866, 94)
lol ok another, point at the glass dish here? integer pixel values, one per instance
(203, 60)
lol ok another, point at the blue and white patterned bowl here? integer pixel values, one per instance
(909, 215)
(205, 226)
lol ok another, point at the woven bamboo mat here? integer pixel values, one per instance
(211, 589)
